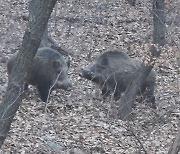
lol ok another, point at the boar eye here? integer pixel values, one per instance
(56, 64)
(102, 67)
(99, 68)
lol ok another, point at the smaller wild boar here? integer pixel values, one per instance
(47, 66)
(114, 70)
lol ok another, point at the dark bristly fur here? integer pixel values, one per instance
(114, 70)
(46, 67)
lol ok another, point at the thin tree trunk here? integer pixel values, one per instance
(159, 22)
(40, 11)
(175, 147)
(132, 2)
(126, 102)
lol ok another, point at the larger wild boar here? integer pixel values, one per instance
(48, 66)
(114, 70)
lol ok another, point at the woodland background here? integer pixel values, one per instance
(77, 119)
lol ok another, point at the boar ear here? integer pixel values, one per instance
(56, 64)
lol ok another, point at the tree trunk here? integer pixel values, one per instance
(126, 102)
(40, 11)
(159, 22)
(175, 147)
(132, 2)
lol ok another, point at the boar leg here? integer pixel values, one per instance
(43, 89)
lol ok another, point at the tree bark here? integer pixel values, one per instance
(175, 147)
(126, 102)
(132, 2)
(159, 22)
(40, 11)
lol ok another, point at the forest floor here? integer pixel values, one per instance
(76, 120)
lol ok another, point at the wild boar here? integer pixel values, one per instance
(114, 70)
(48, 67)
